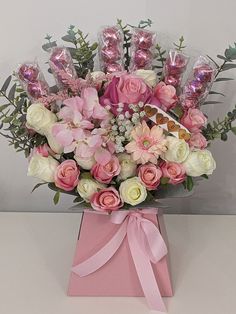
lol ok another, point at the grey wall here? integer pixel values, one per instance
(208, 26)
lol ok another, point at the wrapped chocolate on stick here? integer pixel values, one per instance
(199, 83)
(62, 66)
(32, 80)
(142, 46)
(111, 49)
(174, 68)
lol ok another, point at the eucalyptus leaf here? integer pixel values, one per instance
(216, 93)
(48, 46)
(2, 107)
(69, 39)
(224, 79)
(212, 102)
(56, 198)
(228, 66)
(6, 84)
(230, 53)
(12, 91)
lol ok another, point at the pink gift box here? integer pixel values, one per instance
(118, 276)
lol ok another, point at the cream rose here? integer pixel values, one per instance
(149, 77)
(199, 162)
(43, 168)
(132, 191)
(85, 163)
(98, 75)
(177, 150)
(40, 119)
(128, 166)
(87, 187)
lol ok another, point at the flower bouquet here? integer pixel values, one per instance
(117, 139)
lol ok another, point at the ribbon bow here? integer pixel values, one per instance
(146, 245)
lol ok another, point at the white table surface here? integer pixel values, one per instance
(36, 252)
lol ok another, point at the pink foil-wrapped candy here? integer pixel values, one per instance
(174, 67)
(113, 67)
(141, 49)
(204, 73)
(38, 89)
(62, 66)
(32, 80)
(172, 80)
(110, 54)
(142, 58)
(143, 39)
(111, 35)
(28, 72)
(111, 49)
(199, 82)
(60, 57)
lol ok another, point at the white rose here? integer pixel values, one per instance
(52, 142)
(132, 191)
(42, 168)
(199, 162)
(40, 119)
(177, 149)
(149, 76)
(85, 163)
(128, 166)
(87, 187)
(98, 75)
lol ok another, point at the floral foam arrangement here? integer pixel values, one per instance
(116, 137)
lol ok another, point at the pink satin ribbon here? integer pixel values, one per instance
(146, 246)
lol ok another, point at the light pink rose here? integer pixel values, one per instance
(174, 171)
(106, 200)
(193, 119)
(198, 141)
(166, 95)
(43, 150)
(150, 175)
(132, 89)
(105, 173)
(67, 175)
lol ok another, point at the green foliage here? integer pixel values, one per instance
(160, 59)
(165, 180)
(56, 198)
(180, 45)
(220, 129)
(188, 183)
(37, 186)
(13, 118)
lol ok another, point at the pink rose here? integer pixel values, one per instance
(67, 175)
(198, 141)
(105, 173)
(150, 175)
(193, 119)
(43, 150)
(110, 95)
(132, 89)
(174, 171)
(106, 200)
(166, 95)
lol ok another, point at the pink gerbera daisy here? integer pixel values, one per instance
(147, 144)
